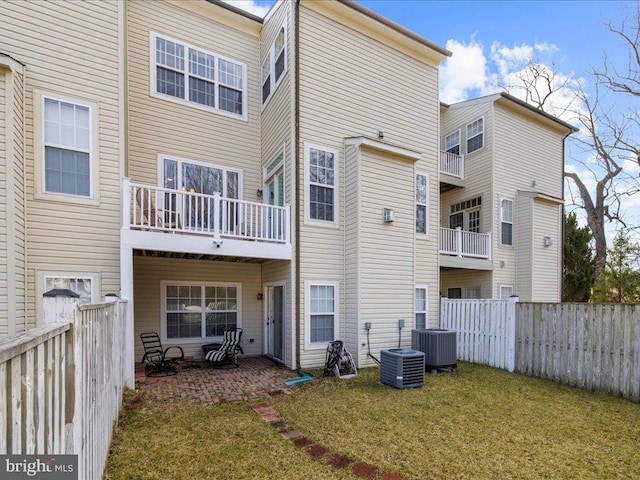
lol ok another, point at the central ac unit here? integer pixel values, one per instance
(439, 347)
(402, 368)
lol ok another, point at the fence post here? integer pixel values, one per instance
(511, 333)
(59, 306)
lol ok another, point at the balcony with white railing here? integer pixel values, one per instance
(463, 249)
(157, 218)
(452, 169)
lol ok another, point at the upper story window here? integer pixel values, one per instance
(452, 143)
(421, 203)
(475, 135)
(274, 64)
(198, 77)
(66, 148)
(506, 221)
(466, 215)
(321, 168)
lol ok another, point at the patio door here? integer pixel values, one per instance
(274, 331)
(274, 189)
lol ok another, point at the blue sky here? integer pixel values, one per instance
(492, 41)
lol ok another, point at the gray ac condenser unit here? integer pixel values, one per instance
(402, 368)
(439, 347)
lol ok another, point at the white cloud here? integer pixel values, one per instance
(464, 72)
(250, 6)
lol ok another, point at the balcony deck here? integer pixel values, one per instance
(463, 249)
(162, 219)
(451, 171)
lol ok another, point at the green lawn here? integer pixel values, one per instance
(479, 423)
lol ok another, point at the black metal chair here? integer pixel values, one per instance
(161, 362)
(226, 353)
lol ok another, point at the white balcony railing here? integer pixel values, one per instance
(452, 164)
(460, 243)
(173, 211)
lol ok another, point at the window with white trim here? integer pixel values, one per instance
(452, 143)
(466, 215)
(475, 135)
(322, 312)
(454, 292)
(193, 311)
(198, 77)
(421, 305)
(274, 64)
(506, 291)
(321, 171)
(472, 292)
(506, 221)
(68, 155)
(421, 203)
(84, 286)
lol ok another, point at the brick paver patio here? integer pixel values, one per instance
(255, 378)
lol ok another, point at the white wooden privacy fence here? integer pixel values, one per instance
(485, 330)
(63, 383)
(590, 346)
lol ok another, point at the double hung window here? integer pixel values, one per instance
(475, 135)
(274, 64)
(198, 77)
(506, 221)
(452, 143)
(322, 164)
(68, 155)
(322, 313)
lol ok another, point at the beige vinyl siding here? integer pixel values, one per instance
(150, 272)
(547, 268)
(353, 231)
(466, 279)
(160, 126)
(69, 236)
(523, 240)
(4, 314)
(386, 257)
(353, 85)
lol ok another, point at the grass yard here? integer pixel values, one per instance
(481, 423)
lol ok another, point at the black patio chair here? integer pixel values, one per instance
(161, 362)
(225, 354)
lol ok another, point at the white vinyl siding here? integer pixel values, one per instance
(321, 166)
(422, 209)
(198, 77)
(475, 135)
(322, 319)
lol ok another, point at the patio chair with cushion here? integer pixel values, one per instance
(225, 353)
(160, 362)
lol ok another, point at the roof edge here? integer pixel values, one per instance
(239, 11)
(524, 104)
(395, 26)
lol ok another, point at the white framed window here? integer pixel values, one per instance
(199, 78)
(422, 188)
(193, 311)
(472, 292)
(274, 64)
(452, 143)
(321, 169)
(506, 221)
(321, 307)
(85, 285)
(199, 177)
(505, 291)
(421, 306)
(475, 135)
(66, 148)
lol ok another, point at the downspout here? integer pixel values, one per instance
(296, 174)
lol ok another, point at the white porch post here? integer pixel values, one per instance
(459, 241)
(126, 203)
(217, 239)
(126, 293)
